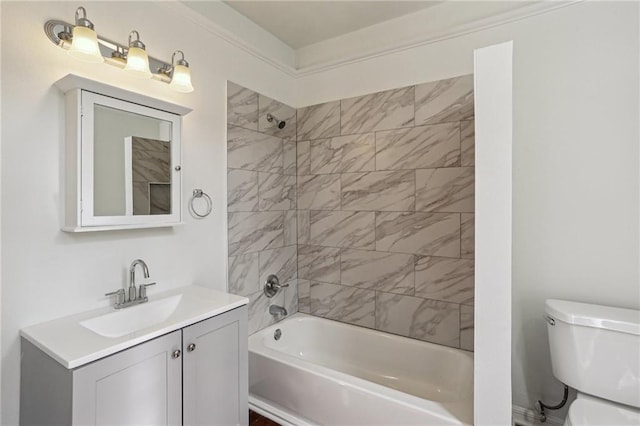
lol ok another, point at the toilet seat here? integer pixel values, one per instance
(589, 412)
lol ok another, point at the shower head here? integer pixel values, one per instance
(279, 123)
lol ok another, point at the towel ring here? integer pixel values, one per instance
(199, 193)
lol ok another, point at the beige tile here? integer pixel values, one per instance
(243, 274)
(343, 154)
(448, 190)
(466, 327)
(391, 109)
(445, 279)
(141, 205)
(379, 191)
(254, 231)
(291, 297)
(319, 263)
(159, 198)
(242, 106)
(436, 234)
(304, 158)
(249, 150)
(418, 147)
(445, 101)
(375, 270)
(150, 166)
(319, 121)
(289, 158)
(276, 192)
(342, 229)
(282, 262)
(304, 304)
(345, 304)
(467, 143)
(467, 235)
(259, 316)
(242, 190)
(303, 226)
(428, 320)
(290, 228)
(319, 192)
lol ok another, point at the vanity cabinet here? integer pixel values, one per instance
(197, 375)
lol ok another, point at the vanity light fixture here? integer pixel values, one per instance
(137, 58)
(81, 41)
(180, 74)
(84, 40)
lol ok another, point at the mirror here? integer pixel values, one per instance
(131, 164)
(122, 158)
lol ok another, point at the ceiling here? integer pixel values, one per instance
(304, 22)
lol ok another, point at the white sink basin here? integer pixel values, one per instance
(81, 338)
(128, 320)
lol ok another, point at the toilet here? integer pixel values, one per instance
(596, 350)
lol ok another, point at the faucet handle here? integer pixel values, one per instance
(119, 296)
(143, 290)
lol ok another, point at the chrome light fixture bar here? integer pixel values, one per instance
(82, 42)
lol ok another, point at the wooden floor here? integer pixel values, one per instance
(256, 419)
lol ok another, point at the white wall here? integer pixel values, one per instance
(575, 158)
(47, 273)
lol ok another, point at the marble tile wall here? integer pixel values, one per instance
(151, 176)
(385, 209)
(261, 202)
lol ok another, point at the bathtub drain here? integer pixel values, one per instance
(277, 334)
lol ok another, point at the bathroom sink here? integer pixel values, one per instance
(84, 337)
(129, 320)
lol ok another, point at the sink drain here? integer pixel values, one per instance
(278, 334)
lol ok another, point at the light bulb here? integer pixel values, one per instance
(181, 79)
(84, 45)
(137, 58)
(138, 62)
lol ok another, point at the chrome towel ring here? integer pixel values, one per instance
(199, 193)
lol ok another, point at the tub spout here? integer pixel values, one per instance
(277, 311)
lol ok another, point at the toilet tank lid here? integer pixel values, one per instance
(598, 316)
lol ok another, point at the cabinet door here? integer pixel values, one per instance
(215, 371)
(138, 386)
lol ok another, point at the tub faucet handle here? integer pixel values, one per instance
(272, 285)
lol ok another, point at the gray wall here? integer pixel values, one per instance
(386, 211)
(261, 201)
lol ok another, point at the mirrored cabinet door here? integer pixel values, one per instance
(122, 158)
(130, 163)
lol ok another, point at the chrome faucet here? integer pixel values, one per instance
(277, 311)
(135, 296)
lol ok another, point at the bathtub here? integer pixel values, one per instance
(323, 372)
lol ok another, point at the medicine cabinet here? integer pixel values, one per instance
(122, 159)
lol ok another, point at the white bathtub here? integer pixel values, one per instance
(323, 372)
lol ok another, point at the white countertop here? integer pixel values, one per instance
(73, 345)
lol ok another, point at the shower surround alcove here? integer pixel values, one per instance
(365, 206)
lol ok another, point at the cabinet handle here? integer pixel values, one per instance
(191, 347)
(176, 354)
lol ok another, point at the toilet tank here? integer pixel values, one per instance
(596, 349)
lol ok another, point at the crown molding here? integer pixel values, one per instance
(177, 7)
(427, 37)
